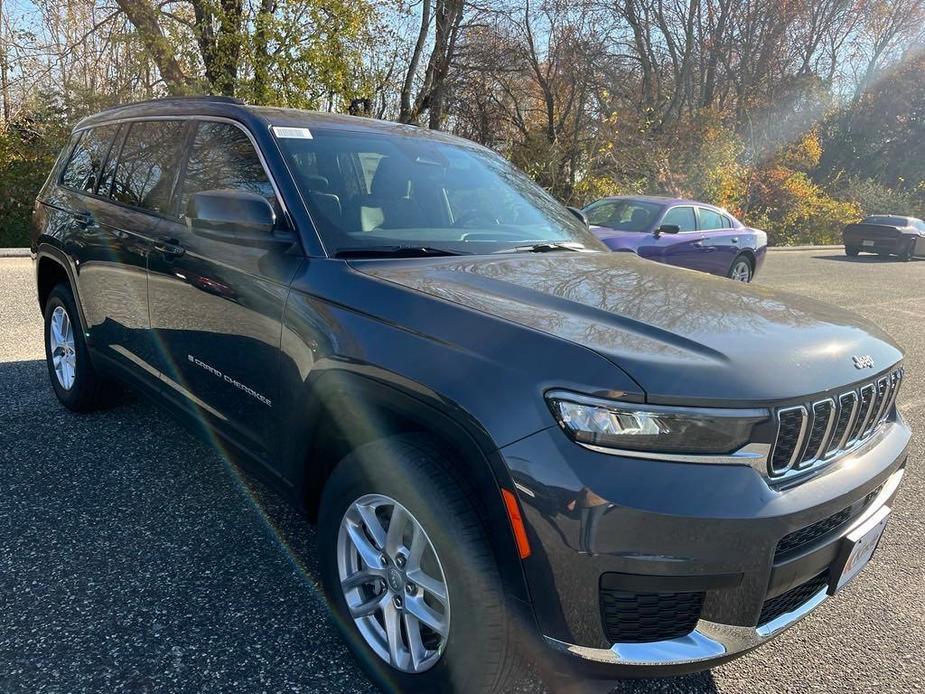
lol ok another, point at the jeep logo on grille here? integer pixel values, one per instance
(863, 361)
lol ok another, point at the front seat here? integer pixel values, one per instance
(389, 205)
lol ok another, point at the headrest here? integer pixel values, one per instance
(390, 180)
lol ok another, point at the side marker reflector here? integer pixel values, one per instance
(517, 523)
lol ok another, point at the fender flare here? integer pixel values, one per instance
(54, 254)
(376, 402)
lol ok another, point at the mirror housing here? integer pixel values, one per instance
(229, 215)
(667, 229)
(579, 214)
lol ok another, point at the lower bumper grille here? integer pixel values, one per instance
(811, 533)
(792, 599)
(644, 617)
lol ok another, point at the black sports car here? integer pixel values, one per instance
(886, 234)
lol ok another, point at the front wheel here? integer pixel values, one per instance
(407, 568)
(741, 269)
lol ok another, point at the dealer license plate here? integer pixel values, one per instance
(858, 548)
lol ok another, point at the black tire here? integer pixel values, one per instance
(480, 653)
(909, 252)
(852, 251)
(85, 394)
(740, 261)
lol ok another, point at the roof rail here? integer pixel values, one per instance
(165, 99)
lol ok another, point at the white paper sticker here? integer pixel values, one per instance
(292, 133)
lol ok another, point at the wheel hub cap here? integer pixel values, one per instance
(393, 583)
(61, 347)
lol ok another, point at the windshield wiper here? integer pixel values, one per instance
(546, 247)
(395, 252)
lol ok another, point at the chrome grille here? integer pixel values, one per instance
(812, 434)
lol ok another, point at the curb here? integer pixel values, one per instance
(15, 253)
(806, 248)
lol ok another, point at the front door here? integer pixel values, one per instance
(686, 248)
(216, 305)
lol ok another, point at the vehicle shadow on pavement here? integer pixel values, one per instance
(862, 259)
(136, 556)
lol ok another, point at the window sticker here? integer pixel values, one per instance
(292, 133)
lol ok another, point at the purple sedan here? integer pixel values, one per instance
(679, 232)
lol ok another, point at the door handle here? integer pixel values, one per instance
(171, 248)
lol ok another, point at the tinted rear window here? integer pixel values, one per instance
(147, 165)
(712, 220)
(86, 163)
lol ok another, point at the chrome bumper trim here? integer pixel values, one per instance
(711, 640)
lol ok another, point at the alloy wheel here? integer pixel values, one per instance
(393, 583)
(61, 343)
(741, 271)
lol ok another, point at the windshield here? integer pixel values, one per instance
(372, 191)
(623, 215)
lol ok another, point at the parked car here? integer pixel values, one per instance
(886, 234)
(509, 438)
(679, 232)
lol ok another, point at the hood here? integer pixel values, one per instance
(684, 336)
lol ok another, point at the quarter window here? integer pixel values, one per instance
(683, 217)
(222, 157)
(147, 165)
(712, 220)
(83, 170)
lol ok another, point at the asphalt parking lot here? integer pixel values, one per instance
(135, 559)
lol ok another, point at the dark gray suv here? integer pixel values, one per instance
(512, 440)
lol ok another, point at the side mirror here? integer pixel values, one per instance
(232, 216)
(667, 229)
(580, 215)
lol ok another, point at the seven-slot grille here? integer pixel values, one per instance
(814, 433)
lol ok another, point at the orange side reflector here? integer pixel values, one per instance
(517, 523)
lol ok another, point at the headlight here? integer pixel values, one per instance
(653, 429)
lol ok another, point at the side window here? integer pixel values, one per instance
(602, 214)
(78, 166)
(83, 170)
(712, 220)
(683, 217)
(109, 168)
(147, 166)
(222, 157)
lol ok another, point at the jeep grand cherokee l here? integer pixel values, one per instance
(511, 439)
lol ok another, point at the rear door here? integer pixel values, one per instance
(115, 212)
(216, 304)
(721, 241)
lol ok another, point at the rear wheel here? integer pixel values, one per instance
(407, 568)
(73, 377)
(909, 252)
(852, 251)
(741, 269)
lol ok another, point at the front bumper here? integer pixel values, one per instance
(593, 517)
(711, 641)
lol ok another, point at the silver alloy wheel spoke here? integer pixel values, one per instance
(61, 348)
(426, 614)
(401, 608)
(415, 643)
(368, 552)
(428, 584)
